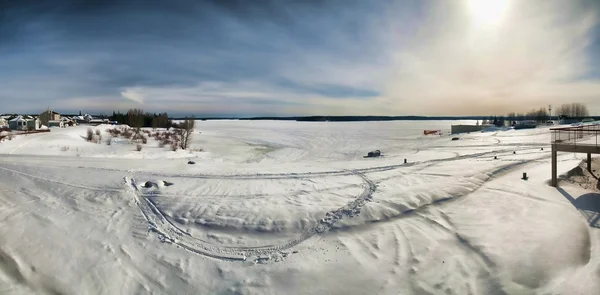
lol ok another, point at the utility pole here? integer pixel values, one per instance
(550, 109)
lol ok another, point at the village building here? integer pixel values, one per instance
(25, 123)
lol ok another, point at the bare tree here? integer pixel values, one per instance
(564, 110)
(136, 118)
(187, 128)
(579, 110)
(573, 110)
(90, 134)
(154, 122)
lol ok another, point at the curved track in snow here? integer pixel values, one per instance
(171, 233)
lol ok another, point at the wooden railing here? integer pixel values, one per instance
(577, 135)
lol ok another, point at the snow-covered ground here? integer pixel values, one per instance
(293, 208)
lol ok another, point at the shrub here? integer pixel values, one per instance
(114, 132)
(90, 134)
(98, 132)
(109, 141)
(165, 141)
(144, 139)
(64, 148)
(138, 147)
(127, 134)
(174, 147)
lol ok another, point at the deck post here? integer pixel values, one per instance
(554, 168)
(589, 162)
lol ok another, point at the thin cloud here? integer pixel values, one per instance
(133, 95)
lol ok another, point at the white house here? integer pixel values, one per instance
(56, 123)
(68, 121)
(83, 119)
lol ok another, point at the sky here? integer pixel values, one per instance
(282, 57)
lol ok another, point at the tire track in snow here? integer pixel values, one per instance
(25, 143)
(426, 225)
(341, 172)
(171, 233)
(450, 229)
(103, 189)
(437, 200)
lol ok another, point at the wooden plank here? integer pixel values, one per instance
(579, 148)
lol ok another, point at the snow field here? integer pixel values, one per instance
(293, 208)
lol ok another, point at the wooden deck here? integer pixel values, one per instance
(578, 139)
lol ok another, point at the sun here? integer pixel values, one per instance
(488, 12)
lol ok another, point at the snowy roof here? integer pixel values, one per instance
(20, 118)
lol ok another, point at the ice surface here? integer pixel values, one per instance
(294, 208)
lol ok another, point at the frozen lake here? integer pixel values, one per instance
(280, 207)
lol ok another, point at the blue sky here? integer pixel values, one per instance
(339, 57)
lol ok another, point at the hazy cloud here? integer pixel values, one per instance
(133, 95)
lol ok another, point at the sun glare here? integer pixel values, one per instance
(486, 12)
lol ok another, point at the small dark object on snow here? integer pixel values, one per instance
(525, 176)
(191, 162)
(515, 152)
(405, 161)
(495, 157)
(148, 184)
(455, 138)
(374, 154)
(542, 149)
(166, 183)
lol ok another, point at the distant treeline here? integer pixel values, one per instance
(575, 111)
(138, 118)
(572, 111)
(363, 118)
